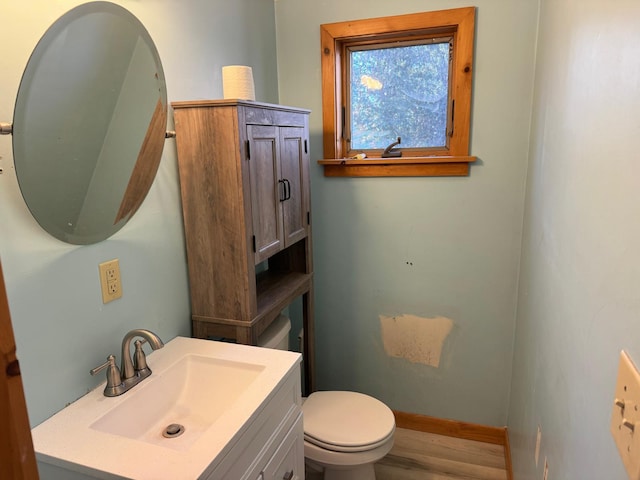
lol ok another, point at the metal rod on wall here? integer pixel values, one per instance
(6, 128)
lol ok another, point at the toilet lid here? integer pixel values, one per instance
(346, 421)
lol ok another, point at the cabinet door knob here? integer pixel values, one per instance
(283, 193)
(288, 475)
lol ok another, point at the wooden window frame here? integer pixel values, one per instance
(454, 159)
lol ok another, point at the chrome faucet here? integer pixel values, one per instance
(133, 371)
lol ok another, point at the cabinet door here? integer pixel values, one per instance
(288, 461)
(294, 165)
(266, 191)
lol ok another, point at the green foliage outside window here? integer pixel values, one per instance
(399, 92)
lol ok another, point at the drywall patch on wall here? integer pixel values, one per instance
(416, 339)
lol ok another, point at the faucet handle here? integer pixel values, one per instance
(114, 380)
(139, 357)
(111, 360)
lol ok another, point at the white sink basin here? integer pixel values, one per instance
(212, 389)
(193, 393)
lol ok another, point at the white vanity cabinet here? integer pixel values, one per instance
(240, 407)
(272, 446)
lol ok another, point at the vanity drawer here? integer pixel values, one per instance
(288, 461)
(261, 438)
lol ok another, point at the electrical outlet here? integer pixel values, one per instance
(625, 417)
(545, 473)
(538, 440)
(113, 287)
(110, 280)
(111, 271)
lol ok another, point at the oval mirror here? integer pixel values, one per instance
(89, 123)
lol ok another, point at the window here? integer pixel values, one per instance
(405, 78)
(397, 90)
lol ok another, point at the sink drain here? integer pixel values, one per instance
(172, 431)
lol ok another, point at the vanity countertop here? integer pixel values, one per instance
(92, 437)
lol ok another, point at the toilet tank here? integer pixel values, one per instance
(277, 334)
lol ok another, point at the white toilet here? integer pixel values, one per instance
(345, 433)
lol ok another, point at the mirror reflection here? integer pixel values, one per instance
(89, 123)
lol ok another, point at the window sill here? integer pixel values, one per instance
(449, 166)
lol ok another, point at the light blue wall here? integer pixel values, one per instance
(62, 328)
(579, 302)
(421, 246)
(577, 305)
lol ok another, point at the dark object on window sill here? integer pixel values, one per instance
(390, 152)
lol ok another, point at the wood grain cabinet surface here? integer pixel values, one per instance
(244, 181)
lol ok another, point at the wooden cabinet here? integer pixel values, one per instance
(244, 180)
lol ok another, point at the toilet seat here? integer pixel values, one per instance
(347, 422)
(325, 458)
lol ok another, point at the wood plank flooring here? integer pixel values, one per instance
(426, 456)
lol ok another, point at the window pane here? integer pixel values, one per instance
(399, 92)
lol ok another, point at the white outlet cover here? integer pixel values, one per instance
(625, 417)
